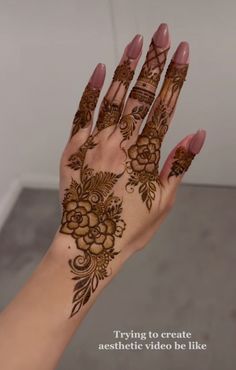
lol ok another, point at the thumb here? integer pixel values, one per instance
(180, 159)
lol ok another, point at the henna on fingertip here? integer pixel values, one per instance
(184, 156)
(87, 105)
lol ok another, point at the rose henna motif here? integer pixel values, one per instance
(144, 156)
(92, 216)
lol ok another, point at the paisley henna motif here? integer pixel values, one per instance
(181, 162)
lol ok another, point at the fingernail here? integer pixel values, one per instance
(98, 76)
(161, 37)
(181, 56)
(135, 47)
(197, 142)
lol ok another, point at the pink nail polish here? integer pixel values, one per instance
(181, 56)
(197, 142)
(161, 37)
(98, 76)
(135, 47)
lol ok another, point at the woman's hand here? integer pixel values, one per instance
(114, 198)
(113, 192)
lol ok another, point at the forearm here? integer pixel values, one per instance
(35, 328)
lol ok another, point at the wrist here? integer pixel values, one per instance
(63, 248)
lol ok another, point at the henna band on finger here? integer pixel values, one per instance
(110, 111)
(143, 96)
(144, 89)
(148, 79)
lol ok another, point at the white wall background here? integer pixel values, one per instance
(49, 49)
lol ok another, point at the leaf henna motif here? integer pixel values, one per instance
(128, 122)
(88, 270)
(92, 216)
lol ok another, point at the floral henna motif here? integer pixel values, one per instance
(123, 73)
(110, 112)
(91, 211)
(92, 216)
(144, 156)
(128, 122)
(181, 162)
(87, 104)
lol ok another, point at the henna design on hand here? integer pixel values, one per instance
(181, 162)
(92, 216)
(110, 111)
(92, 213)
(128, 122)
(144, 90)
(87, 104)
(76, 160)
(152, 68)
(175, 77)
(144, 155)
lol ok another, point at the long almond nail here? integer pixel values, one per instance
(181, 56)
(197, 142)
(98, 76)
(135, 47)
(161, 37)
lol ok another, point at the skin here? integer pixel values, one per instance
(35, 326)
